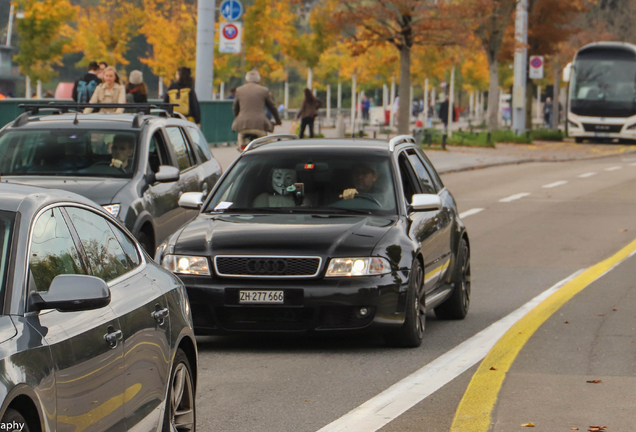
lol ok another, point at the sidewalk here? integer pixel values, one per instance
(457, 158)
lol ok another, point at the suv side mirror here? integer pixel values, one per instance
(167, 174)
(191, 200)
(426, 202)
(69, 293)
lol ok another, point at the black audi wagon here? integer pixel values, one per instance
(324, 235)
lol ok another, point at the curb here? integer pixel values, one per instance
(524, 161)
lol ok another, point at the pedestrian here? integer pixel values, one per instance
(249, 110)
(232, 94)
(110, 91)
(102, 67)
(443, 112)
(366, 105)
(429, 115)
(308, 113)
(281, 110)
(547, 112)
(85, 86)
(136, 91)
(181, 92)
(268, 113)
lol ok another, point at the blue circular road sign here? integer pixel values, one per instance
(231, 10)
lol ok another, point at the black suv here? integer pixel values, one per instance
(324, 235)
(135, 165)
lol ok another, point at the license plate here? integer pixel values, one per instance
(601, 134)
(262, 297)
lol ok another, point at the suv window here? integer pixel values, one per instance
(426, 182)
(157, 154)
(106, 257)
(53, 251)
(200, 144)
(182, 151)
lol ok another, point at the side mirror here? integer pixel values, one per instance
(167, 174)
(69, 293)
(191, 200)
(426, 202)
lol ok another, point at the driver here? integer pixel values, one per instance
(364, 177)
(123, 149)
(285, 192)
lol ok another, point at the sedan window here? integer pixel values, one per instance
(425, 180)
(53, 251)
(106, 257)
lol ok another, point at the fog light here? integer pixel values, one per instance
(363, 311)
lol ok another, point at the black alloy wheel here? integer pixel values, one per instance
(12, 417)
(457, 305)
(412, 332)
(180, 412)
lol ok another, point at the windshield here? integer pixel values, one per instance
(310, 180)
(604, 83)
(64, 152)
(6, 226)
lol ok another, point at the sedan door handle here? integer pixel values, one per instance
(113, 337)
(160, 315)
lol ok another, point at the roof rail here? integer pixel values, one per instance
(21, 120)
(269, 138)
(138, 120)
(146, 108)
(401, 139)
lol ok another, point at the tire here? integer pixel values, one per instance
(12, 416)
(457, 305)
(412, 331)
(146, 243)
(578, 140)
(180, 411)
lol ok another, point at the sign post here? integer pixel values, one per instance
(536, 67)
(205, 49)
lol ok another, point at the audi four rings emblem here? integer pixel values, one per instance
(266, 266)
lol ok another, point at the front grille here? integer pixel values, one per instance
(267, 266)
(589, 127)
(265, 318)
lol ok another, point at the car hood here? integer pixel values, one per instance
(100, 190)
(307, 235)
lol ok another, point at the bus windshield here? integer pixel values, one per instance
(604, 83)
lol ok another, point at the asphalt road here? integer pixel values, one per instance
(555, 219)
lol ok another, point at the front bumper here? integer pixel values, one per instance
(311, 305)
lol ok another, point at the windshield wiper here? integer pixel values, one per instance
(292, 210)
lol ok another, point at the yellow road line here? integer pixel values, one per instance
(474, 411)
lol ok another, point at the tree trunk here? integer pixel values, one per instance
(493, 94)
(404, 114)
(555, 98)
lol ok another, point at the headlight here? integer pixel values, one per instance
(631, 127)
(186, 264)
(339, 267)
(113, 209)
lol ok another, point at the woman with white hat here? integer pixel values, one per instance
(137, 92)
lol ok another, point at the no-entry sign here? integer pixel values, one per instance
(230, 37)
(536, 67)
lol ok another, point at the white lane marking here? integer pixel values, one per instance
(555, 184)
(633, 164)
(470, 212)
(629, 159)
(613, 168)
(515, 197)
(403, 395)
(586, 175)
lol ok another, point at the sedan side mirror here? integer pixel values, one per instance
(426, 202)
(191, 200)
(69, 293)
(167, 174)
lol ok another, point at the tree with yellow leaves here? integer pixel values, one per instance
(104, 31)
(41, 43)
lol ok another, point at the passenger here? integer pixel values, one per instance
(284, 192)
(364, 178)
(123, 150)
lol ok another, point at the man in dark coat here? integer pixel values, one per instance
(249, 109)
(93, 68)
(443, 112)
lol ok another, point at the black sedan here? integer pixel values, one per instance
(94, 336)
(324, 235)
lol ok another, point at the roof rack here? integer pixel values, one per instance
(65, 107)
(401, 139)
(267, 139)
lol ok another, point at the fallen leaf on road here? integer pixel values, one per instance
(527, 425)
(574, 428)
(600, 315)
(595, 381)
(597, 428)
(307, 400)
(567, 322)
(493, 368)
(615, 309)
(622, 230)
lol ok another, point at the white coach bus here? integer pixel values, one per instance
(602, 103)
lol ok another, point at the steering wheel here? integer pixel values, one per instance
(368, 197)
